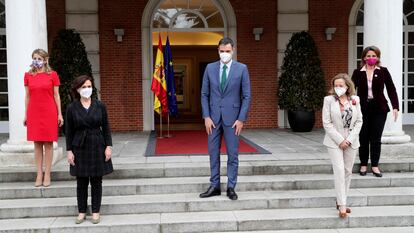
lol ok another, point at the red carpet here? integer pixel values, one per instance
(190, 142)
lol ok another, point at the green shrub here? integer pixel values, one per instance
(302, 82)
(69, 59)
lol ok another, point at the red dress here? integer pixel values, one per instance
(42, 113)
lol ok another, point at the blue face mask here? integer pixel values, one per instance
(38, 64)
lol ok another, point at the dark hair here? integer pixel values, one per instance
(225, 41)
(366, 50)
(77, 83)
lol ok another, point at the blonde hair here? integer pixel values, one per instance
(348, 82)
(45, 57)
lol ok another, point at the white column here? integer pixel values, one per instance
(383, 28)
(26, 30)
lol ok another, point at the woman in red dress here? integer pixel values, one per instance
(43, 112)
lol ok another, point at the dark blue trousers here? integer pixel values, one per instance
(232, 145)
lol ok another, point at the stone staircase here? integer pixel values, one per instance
(289, 196)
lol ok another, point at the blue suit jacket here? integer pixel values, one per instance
(231, 104)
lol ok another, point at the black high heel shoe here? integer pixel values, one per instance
(377, 174)
(362, 173)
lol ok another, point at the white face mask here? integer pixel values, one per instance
(225, 57)
(340, 90)
(85, 92)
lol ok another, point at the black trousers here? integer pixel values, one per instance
(370, 135)
(82, 193)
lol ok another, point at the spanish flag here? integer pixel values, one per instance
(159, 85)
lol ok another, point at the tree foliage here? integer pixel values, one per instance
(302, 82)
(69, 59)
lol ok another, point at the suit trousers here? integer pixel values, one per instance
(342, 164)
(82, 193)
(232, 145)
(370, 135)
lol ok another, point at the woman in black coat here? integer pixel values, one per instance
(370, 81)
(88, 144)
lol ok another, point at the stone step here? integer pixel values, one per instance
(199, 184)
(190, 202)
(342, 230)
(239, 220)
(202, 168)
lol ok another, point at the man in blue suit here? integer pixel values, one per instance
(225, 100)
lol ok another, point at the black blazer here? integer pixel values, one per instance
(87, 136)
(381, 78)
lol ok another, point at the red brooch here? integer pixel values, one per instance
(354, 102)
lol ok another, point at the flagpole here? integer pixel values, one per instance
(160, 136)
(168, 127)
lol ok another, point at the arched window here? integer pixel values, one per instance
(186, 14)
(408, 55)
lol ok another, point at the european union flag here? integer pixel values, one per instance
(169, 76)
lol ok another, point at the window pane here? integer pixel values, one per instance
(410, 79)
(3, 56)
(2, 41)
(2, 16)
(188, 20)
(196, 4)
(215, 21)
(410, 106)
(410, 93)
(161, 19)
(4, 101)
(359, 51)
(410, 51)
(3, 85)
(408, 6)
(360, 19)
(410, 65)
(4, 114)
(3, 71)
(360, 38)
(411, 37)
(410, 19)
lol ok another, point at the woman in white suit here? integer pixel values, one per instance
(342, 121)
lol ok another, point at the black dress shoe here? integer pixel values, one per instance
(363, 173)
(211, 192)
(232, 194)
(377, 174)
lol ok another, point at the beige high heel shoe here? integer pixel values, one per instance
(46, 182)
(38, 182)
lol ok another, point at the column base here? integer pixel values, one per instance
(396, 144)
(395, 151)
(395, 137)
(22, 154)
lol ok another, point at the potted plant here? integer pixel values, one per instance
(69, 59)
(302, 83)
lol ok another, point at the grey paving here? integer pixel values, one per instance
(113, 187)
(242, 220)
(190, 202)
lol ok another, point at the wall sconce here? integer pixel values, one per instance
(329, 32)
(119, 32)
(257, 32)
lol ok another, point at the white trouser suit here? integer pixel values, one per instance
(335, 134)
